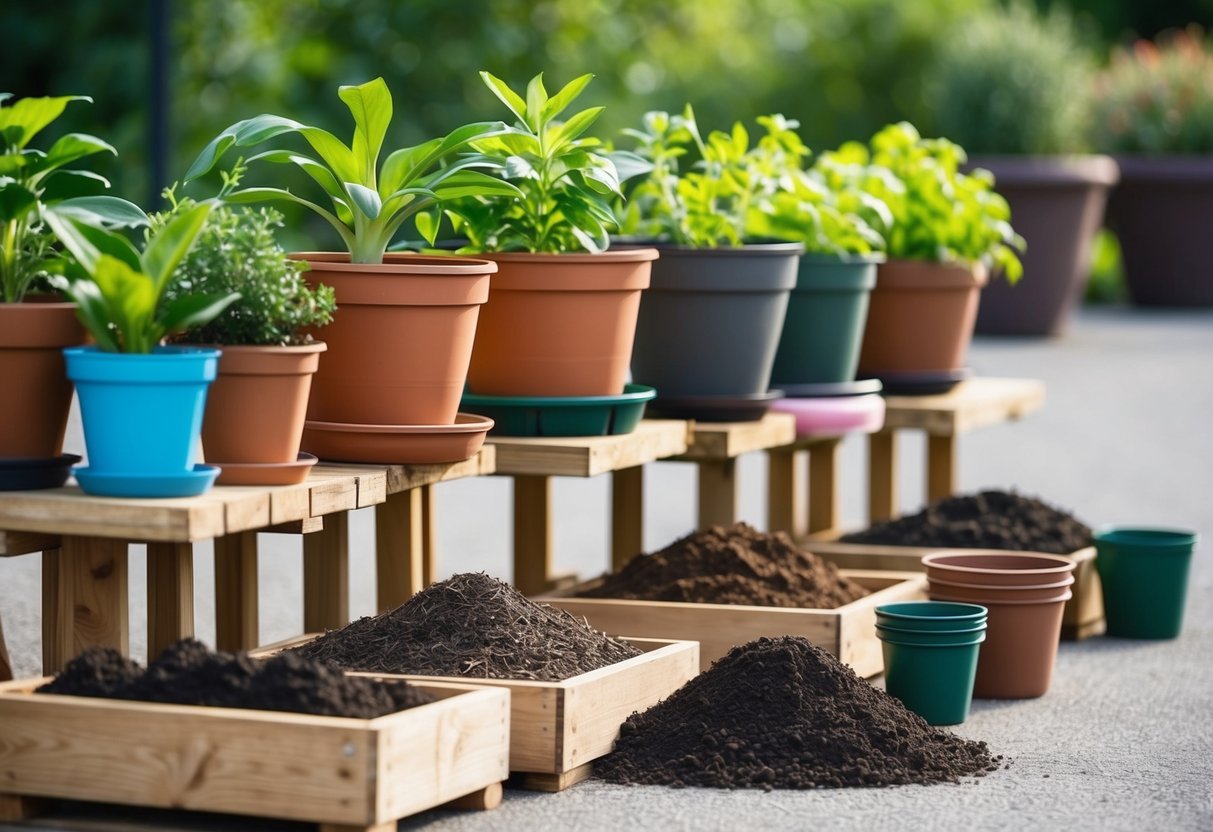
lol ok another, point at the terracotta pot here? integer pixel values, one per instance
(920, 317)
(559, 324)
(1057, 204)
(998, 569)
(37, 394)
(977, 594)
(257, 404)
(401, 339)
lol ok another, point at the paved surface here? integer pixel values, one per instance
(1122, 741)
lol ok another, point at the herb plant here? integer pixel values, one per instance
(370, 202)
(35, 182)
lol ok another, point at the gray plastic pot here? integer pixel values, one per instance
(710, 320)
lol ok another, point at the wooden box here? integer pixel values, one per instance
(1084, 616)
(345, 774)
(848, 632)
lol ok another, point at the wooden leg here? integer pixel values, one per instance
(941, 467)
(90, 607)
(823, 486)
(50, 606)
(14, 807)
(785, 492)
(170, 595)
(237, 624)
(882, 476)
(389, 826)
(532, 534)
(6, 664)
(627, 515)
(429, 535)
(537, 782)
(478, 801)
(399, 539)
(326, 575)
(717, 492)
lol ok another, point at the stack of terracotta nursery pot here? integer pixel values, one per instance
(1025, 594)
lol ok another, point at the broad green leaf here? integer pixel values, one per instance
(536, 98)
(93, 312)
(190, 311)
(105, 211)
(130, 300)
(244, 133)
(336, 155)
(427, 224)
(71, 147)
(402, 166)
(318, 172)
(371, 106)
(248, 195)
(576, 125)
(366, 200)
(474, 183)
(67, 183)
(508, 97)
(10, 163)
(165, 250)
(30, 115)
(561, 100)
(463, 162)
(88, 243)
(15, 201)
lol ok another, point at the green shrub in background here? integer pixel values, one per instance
(1012, 80)
(1157, 98)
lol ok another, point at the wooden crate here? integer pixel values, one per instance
(1084, 615)
(345, 774)
(848, 632)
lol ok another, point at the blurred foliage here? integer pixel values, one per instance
(1107, 272)
(1121, 20)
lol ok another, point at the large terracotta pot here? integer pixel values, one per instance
(559, 324)
(920, 317)
(37, 394)
(1057, 204)
(401, 339)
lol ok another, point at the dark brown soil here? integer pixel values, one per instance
(732, 565)
(782, 714)
(475, 626)
(188, 673)
(988, 520)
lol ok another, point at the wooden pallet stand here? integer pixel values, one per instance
(1084, 614)
(848, 632)
(344, 774)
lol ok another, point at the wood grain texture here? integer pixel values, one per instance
(6, 664)
(538, 782)
(882, 476)
(532, 533)
(971, 404)
(627, 515)
(728, 440)
(941, 467)
(786, 492)
(326, 575)
(824, 500)
(399, 546)
(589, 456)
(237, 605)
(13, 544)
(90, 604)
(170, 595)
(717, 485)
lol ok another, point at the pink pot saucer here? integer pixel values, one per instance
(398, 444)
(835, 415)
(265, 473)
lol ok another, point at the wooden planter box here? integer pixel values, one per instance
(1084, 615)
(559, 728)
(848, 632)
(345, 774)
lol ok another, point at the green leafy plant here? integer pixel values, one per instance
(1157, 98)
(370, 202)
(119, 291)
(35, 182)
(237, 252)
(565, 182)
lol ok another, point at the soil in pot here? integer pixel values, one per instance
(189, 673)
(475, 626)
(987, 520)
(732, 565)
(782, 714)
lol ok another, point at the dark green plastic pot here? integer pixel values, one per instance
(937, 616)
(934, 681)
(823, 329)
(1144, 573)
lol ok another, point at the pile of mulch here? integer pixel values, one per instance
(475, 626)
(189, 673)
(731, 565)
(988, 520)
(779, 713)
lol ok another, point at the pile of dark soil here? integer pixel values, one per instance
(188, 673)
(471, 625)
(988, 520)
(731, 565)
(782, 714)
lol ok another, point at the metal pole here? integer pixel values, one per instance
(158, 99)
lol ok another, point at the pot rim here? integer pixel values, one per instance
(1163, 537)
(900, 273)
(974, 611)
(617, 255)
(1194, 170)
(974, 643)
(980, 628)
(1056, 169)
(163, 353)
(395, 263)
(1060, 599)
(265, 349)
(1064, 564)
(846, 259)
(743, 250)
(1001, 587)
(464, 423)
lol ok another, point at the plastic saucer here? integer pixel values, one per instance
(715, 408)
(24, 474)
(266, 473)
(185, 484)
(564, 415)
(823, 390)
(836, 416)
(930, 383)
(397, 444)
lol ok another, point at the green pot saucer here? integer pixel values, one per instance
(563, 415)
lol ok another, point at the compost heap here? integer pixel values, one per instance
(475, 626)
(731, 565)
(188, 673)
(988, 520)
(779, 713)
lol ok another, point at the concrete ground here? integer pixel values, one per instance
(1122, 741)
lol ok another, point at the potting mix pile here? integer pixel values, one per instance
(988, 520)
(471, 625)
(779, 713)
(189, 673)
(731, 565)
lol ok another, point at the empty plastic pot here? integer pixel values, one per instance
(1145, 579)
(934, 681)
(929, 615)
(997, 568)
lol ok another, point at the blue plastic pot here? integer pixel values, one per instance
(142, 418)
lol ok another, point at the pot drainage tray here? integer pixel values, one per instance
(564, 415)
(266, 473)
(109, 484)
(829, 390)
(834, 416)
(930, 383)
(716, 408)
(397, 444)
(35, 474)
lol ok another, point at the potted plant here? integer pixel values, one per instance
(1012, 87)
(1154, 113)
(399, 347)
(34, 324)
(256, 407)
(949, 229)
(562, 313)
(141, 403)
(710, 324)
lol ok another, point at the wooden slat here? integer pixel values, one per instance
(326, 575)
(785, 492)
(535, 781)
(91, 606)
(727, 440)
(590, 456)
(824, 499)
(717, 492)
(26, 543)
(50, 608)
(532, 534)
(627, 515)
(971, 404)
(69, 511)
(429, 535)
(941, 467)
(170, 595)
(399, 541)
(311, 524)
(882, 476)
(6, 664)
(237, 619)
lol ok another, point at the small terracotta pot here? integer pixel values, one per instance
(995, 569)
(985, 592)
(37, 394)
(920, 317)
(401, 339)
(256, 405)
(559, 324)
